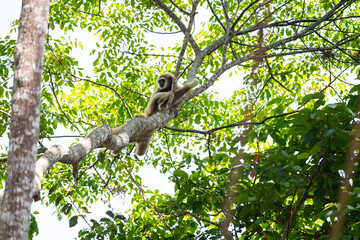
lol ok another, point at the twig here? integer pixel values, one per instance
(215, 15)
(181, 25)
(208, 145)
(74, 205)
(7, 79)
(273, 77)
(57, 101)
(64, 136)
(178, 7)
(167, 143)
(5, 113)
(156, 32)
(110, 173)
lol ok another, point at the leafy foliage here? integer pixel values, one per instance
(265, 162)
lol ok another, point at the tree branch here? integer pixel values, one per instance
(136, 129)
(5, 113)
(181, 25)
(253, 55)
(57, 101)
(178, 7)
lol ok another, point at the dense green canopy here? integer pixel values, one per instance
(259, 151)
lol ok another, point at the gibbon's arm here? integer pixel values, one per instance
(153, 105)
(179, 92)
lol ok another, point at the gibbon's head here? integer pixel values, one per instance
(165, 81)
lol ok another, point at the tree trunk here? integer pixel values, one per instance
(25, 118)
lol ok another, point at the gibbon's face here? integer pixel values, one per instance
(165, 81)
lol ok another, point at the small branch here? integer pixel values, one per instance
(273, 77)
(63, 136)
(110, 173)
(57, 101)
(287, 23)
(185, 41)
(182, 53)
(224, 5)
(40, 150)
(88, 80)
(242, 13)
(208, 145)
(156, 32)
(7, 79)
(5, 113)
(178, 7)
(128, 89)
(181, 25)
(217, 18)
(167, 144)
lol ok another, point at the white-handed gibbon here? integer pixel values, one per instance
(158, 101)
(160, 97)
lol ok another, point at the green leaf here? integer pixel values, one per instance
(329, 132)
(180, 173)
(73, 221)
(110, 213)
(312, 96)
(66, 208)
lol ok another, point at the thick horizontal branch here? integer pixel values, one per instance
(137, 129)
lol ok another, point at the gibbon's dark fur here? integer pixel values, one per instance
(158, 101)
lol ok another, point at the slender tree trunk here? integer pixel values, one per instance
(25, 118)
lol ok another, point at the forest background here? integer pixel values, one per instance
(260, 150)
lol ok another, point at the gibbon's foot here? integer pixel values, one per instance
(162, 105)
(140, 115)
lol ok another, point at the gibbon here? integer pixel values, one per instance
(160, 97)
(158, 101)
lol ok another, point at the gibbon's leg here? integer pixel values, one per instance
(141, 147)
(140, 115)
(163, 102)
(152, 106)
